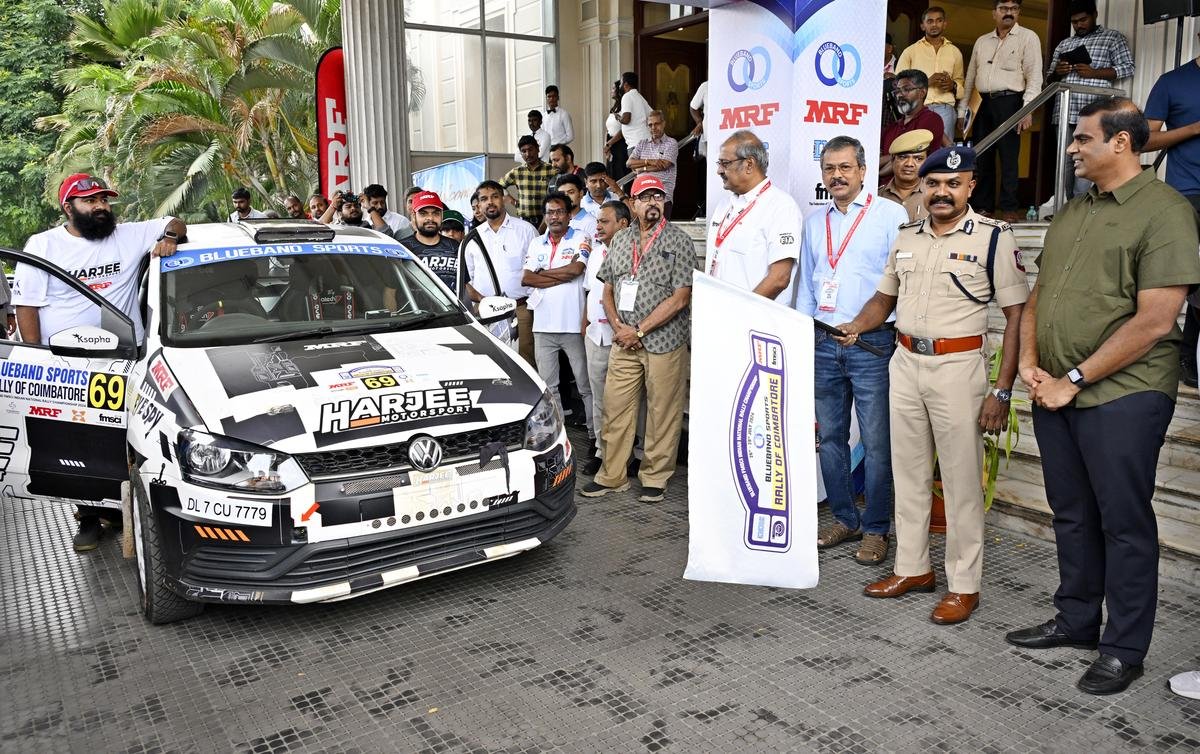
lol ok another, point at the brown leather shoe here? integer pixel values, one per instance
(954, 608)
(894, 586)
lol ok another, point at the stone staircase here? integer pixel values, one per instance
(1020, 501)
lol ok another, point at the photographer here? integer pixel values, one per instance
(346, 209)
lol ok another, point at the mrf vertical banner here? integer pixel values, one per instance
(333, 150)
(796, 73)
(752, 472)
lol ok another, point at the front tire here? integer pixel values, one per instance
(159, 603)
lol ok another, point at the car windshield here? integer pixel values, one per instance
(280, 292)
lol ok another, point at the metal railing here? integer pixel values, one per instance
(1063, 91)
(628, 177)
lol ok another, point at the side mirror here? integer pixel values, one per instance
(84, 340)
(495, 308)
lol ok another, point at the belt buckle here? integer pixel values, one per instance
(923, 346)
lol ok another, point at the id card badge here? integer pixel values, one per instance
(827, 300)
(627, 295)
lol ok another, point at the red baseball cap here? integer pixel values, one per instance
(646, 182)
(427, 199)
(82, 184)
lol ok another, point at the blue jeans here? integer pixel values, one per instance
(842, 376)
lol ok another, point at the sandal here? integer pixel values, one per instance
(835, 534)
(873, 550)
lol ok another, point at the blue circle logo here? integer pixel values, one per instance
(175, 263)
(749, 69)
(837, 70)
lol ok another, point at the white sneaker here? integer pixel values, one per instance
(1187, 684)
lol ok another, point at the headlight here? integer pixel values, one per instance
(544, 425)
(226, 463)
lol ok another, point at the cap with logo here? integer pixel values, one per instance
(949, 160)
(427, 199)
(79, 185)
(453, 218)
(911, 141)
(646, 182)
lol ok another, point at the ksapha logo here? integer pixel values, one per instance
(92, 340)
(831, 65)
(749, 69)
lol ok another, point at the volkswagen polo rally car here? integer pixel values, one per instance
(313, 416)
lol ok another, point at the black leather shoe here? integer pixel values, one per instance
(1046, 636)
(1108, 675)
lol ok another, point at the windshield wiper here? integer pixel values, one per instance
(311, 332)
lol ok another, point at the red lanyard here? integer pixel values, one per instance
(553, 249)
(639, 251)
(834, 259)
(722, 231)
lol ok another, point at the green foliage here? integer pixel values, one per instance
(32, 48)
(178, 102)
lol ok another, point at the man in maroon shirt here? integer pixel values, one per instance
(911, 88)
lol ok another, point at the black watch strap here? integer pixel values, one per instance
(1076, 377)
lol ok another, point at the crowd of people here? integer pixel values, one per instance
(898, 271)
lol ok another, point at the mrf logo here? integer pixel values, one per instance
(843, 113)
(748, 115)
(45, 411)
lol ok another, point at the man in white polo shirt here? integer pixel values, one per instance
(554, 267)
(506, 239)
(754, 238)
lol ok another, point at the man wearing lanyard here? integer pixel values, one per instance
(597, 333)
(844, 250)
(506, 239)
(647, 289)
(554, 267)
(754, 239)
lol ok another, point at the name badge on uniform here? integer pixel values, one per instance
(627, 295)
(827, 300)
(903, 255)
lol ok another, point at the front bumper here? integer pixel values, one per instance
(340, 569)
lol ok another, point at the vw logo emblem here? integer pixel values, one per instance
(840, 53)
(745, 70)
(425, 453)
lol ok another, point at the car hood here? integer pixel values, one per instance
(355, 390)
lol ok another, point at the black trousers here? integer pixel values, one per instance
(993, 112)
(1098, 464)
(616, 164)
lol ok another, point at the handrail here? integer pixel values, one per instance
(1042, 98)
(1063, 91)
(628, 177)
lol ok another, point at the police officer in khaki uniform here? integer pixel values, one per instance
(908, 152)
(939, 278)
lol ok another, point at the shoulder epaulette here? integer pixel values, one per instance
(914, 223)
(1002, 225)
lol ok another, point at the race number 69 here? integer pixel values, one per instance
(106, 391)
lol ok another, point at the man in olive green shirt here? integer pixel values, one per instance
(1100, 354)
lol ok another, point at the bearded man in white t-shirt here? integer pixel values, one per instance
(105, 256)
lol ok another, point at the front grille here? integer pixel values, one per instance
(395, 455)
(272, 567)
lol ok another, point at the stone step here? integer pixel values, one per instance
(1019, 490)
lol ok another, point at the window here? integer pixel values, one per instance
(475, 68)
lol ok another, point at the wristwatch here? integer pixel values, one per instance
(640, 334)
(1002, 395)
(1076, 377)
(168, 234)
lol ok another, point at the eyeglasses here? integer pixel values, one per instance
(724, 164)
(908, 89)
(83, 184)
(555, 212)
(1008, 8)
(651, 196)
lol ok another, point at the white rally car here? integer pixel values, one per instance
(311, 417)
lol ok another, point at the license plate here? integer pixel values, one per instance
(245, 512)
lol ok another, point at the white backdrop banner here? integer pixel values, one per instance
(752, 472)
(796, 73)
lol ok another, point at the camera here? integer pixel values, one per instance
(350, 198)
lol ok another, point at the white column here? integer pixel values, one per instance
(376, 88)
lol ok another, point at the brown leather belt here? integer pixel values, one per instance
(940, 346)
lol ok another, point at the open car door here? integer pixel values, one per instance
(62, 405)
(497, 313)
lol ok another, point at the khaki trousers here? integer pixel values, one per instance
(935, 404)
(525, 333)
(663, 377)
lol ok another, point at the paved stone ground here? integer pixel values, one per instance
(592, 643)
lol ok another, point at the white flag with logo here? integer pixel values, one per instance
(752, 472)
